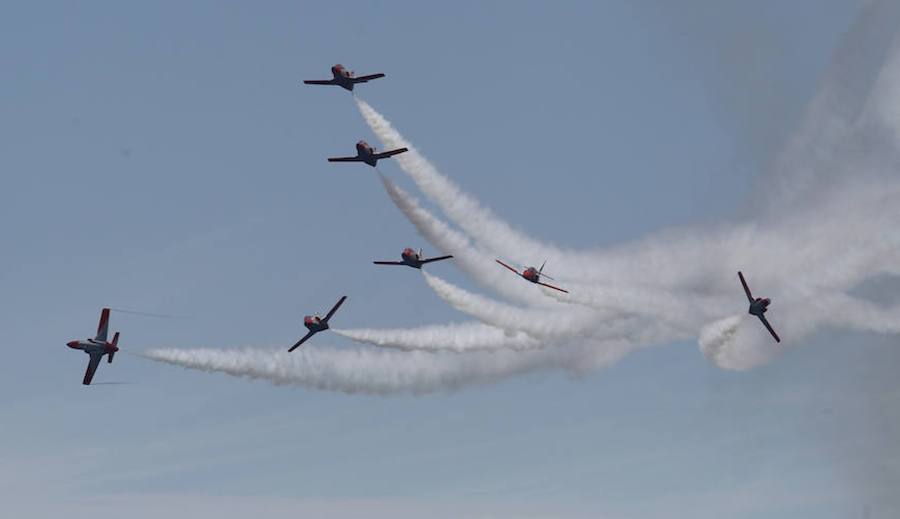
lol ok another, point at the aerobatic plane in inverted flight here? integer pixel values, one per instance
(97, 347)
(366, 153)
(534, 275)
(343, 78)
(412, 259)
(316, 324)
(758, 307)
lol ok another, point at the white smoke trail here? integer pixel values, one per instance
(718, 342)
(684, 277)
(384, 372)
(834, 222)
(540, 324)
(477, 264)
(462, 209)
(570, 325)
(478, 221)
(741, 342)
(697, 252)
(857, 89)
(456, 337)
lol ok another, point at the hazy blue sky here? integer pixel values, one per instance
(163, 157)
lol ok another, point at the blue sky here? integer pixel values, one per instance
(164, 158)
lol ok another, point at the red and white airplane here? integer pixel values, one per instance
(534, 275)
(97, 347)
(366, 153)
(316, 324)
(343, 78)
(412, 259)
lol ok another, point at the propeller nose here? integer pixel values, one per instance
(72, 344)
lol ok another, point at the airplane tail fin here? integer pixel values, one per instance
(541, 273)
(420, 252)
(114, 343)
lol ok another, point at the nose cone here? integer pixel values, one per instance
(72, 344)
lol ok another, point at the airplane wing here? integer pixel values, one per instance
(507, 266)
(319, 81)
(301, 341)
(103, 327)
(333, 310)
(92, 367)
(390, 262)
(386, 154)
(746, 288)
(438, 258)
(553, 287)
(363, 79)
(345, 159)
(769, 327)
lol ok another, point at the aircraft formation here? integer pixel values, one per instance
(98, 346)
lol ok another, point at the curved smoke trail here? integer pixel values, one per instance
(685, 276)
(462, 209)
(833, 224)
(477, 264)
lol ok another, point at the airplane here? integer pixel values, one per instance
(534, 275)
(316, 324)
(343, 78)
(412, 259)
(97, 347)
(758, 307)
(366, 153)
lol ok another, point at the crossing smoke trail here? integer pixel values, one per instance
(684, 276)
(574, 325)
(698, 253)
(538, 323)
(474, 262)
(473, 218)
(847, 243)
(834, 223)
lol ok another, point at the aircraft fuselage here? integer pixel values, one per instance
(532, 274)
(366, 153)
(91, 346)
(314, 323)
(759, 306)
(343, 77)
(411, 258)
